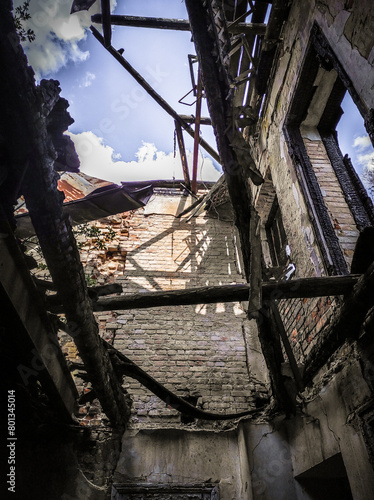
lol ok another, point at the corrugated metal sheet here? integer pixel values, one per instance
(103, 199)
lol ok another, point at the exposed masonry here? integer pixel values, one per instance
(196, 351)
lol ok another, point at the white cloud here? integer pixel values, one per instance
(99, 160)
(87, 80)
(57, 34)
(362, 142)
(367, 161)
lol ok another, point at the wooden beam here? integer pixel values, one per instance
(272, 351)
(231, 145)
(191, 119)
(174, 24)
(271, 290)
(124, 366)
(107, 28)
(37, 335)
(183, 155)
(197, 132)
(143, 83)
(39, 187)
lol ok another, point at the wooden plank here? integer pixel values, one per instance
(191, 119)
(107, 27)
(272, 351)
(197, 133)
(38, 334)
(276, 290)
(154, 94)
(173, 24)
(183, 155)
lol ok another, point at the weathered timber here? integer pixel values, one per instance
(150, 90)
(286, 344)
(197, 132)
(174, 24)
(204, 198)
(183, 155)
(272, 290)
(107, 27)
(27, 133)
(191, 119)
(219, 98)
(255, 294)
(346, 324)
(272, 351)
(124, 366)
(363, 254)
(30, 329)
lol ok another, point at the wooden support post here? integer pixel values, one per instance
(183, 155)
(255, 295)
(39, 187)
(272, 351)
(143, 83)
(271, 290)
(197, 132)
(218, 92)
(107, 28)
(286, 343)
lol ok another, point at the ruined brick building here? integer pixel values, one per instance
(232, 356)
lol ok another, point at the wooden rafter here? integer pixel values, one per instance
(174, 24)
(145, 85)
(28, 136)
(271, 290)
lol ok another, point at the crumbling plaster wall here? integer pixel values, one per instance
(327, 426)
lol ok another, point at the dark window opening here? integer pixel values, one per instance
(327, 480)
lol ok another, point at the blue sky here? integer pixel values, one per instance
(120, 133)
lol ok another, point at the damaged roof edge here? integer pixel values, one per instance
(101, 203)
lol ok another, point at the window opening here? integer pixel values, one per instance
(355, 142)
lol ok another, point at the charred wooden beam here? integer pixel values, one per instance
(107, 27)
(346, 324)
(218, 92)
(272, 290)
(124, 366)
(173, 24)
(197, 132)
(154, 94)
(272, 351)
(32, 339)
(191, 119)
(183, 155)
(278, 15)
(29, 134)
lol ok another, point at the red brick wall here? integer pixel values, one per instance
(340, 214)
